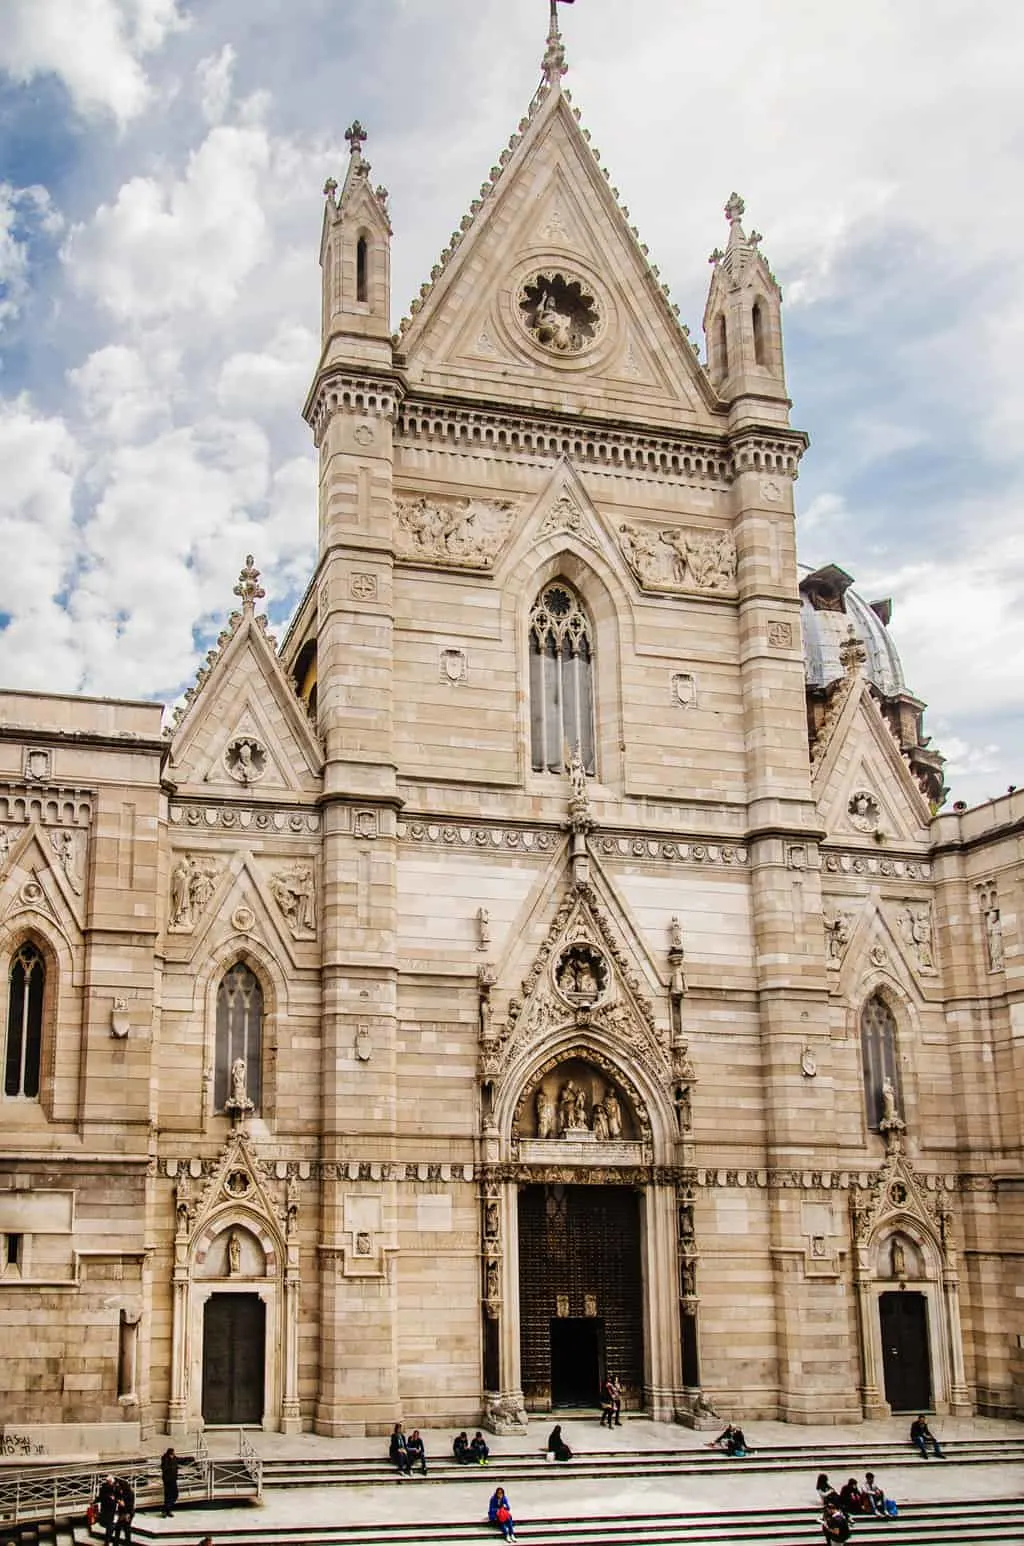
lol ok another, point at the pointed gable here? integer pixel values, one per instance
(244, 727)
(547, 296)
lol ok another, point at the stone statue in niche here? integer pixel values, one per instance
(491, 1218)
(613, 1112)
(569, 1102)
(898, 1259)
(546, 1119)
(837, 934)
(602, 1132)
(65, 846)
(889, 1112)
(246, 759)
(581, 974)
(994, 940)
(234, 1254)
(684, 1108)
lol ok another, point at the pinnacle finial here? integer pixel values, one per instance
(734, 209)
(249, 588)
(852, 654)
(554, 65)
(356, 136)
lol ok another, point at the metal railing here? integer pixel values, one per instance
(65, 1492)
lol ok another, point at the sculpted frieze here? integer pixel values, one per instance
(464, 533)
(289, 823)
(540, 840)
(853, 862)
(676, 560)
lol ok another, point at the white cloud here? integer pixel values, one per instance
(213, 78)
(124, 393)
(272, 380)
(94, 46)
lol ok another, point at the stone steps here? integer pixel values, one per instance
(934, 1524)
(531, 1466)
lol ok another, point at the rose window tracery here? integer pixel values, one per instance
(559, 313)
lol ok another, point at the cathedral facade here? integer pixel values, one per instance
(550, 959)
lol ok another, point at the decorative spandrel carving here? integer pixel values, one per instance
(916, 927)
(560, 313)
(679, 561)
(294, 891)
(838, 928)
(193, 882)
(462, 533)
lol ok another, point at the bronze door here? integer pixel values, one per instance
(234, 1356)
(580, 1293)
(905, 1359)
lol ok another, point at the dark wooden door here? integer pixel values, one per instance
(234, 1355)
(580, 1262)
(905, 1358)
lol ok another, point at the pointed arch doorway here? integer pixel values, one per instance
(906, 1359)
(581, 1293)
(234, 1359)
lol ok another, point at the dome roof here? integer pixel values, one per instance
(830, 609)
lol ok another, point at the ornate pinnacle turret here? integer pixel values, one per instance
(249, 588)
(553, 65)
(734, 209)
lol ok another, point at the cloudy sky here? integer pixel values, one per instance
(161, 163)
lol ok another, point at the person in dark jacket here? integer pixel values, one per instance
(398, 1452)
(479, 1448)
(851, 1498)
(557, 1445)
(461, 1450)
(834, 1524)
(170, 1465)
(106, 1500)
(416, 1450)
(125, 1512)
(499, 1512)
(921, 1436)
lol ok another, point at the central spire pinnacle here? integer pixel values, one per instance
(554, 65)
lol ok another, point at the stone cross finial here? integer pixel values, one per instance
(249, 588)
(852, 654)
(356, 136)
(734, 209)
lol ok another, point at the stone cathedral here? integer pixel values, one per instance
(550, 958)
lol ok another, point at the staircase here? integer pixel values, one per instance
(512, 1467)
(934, 1524)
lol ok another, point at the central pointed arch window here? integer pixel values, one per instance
(239, 1033)
(879, 1056)
(561, 680)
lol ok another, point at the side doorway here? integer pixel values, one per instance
(906, 1359)
(234, 1359)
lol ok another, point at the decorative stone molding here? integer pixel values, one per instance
(362, 586)
(566, 515)
(371, 397)
(541, 840)
(53, 806)
(288, 822)
(780, 634)
(854, 862)
(452, 533)
(600, 447)
(776, 455)
(678, 561)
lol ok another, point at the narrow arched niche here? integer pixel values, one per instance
(235, 1252)
(362, 269)
(760, 341)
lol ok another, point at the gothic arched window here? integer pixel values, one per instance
(561, 680)
(878, 1054)
(24, 1050)
(239, 1034)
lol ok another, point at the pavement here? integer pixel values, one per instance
(565, 1496)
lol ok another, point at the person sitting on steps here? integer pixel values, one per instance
(730, 1441)
(825, 1490)
(479, 1449)
(834, 1524)
(416, 1450)
(461, 1450)
(921, 1435)
(398, 1452)
(556, 1444)
(874, 1496)
(499, 1512)
(851, 1498)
